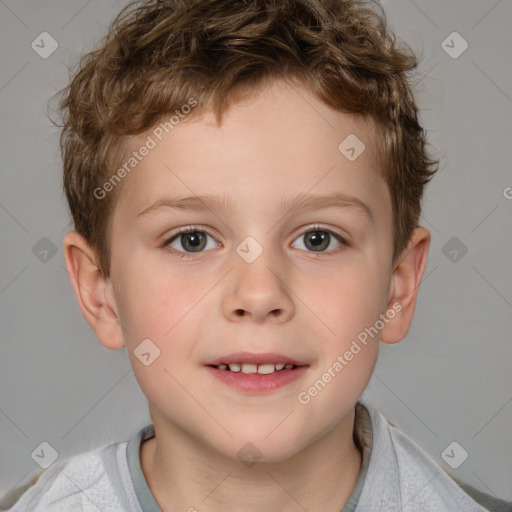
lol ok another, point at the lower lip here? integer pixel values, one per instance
(258, 383)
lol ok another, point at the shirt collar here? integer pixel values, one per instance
(363, 438)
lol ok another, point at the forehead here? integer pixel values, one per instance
(277, 144)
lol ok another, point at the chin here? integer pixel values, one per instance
(263, 449)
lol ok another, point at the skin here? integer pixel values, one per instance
(293, 300)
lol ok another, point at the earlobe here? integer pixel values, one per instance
(92, 290)
(406, 280)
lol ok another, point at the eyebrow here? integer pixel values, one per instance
(302, 201)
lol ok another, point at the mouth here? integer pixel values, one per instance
(256, 373)
(250, 368)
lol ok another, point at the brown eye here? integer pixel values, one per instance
(190, 241)
(318, 240)
(193, 242)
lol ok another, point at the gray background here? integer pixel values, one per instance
(450, 380)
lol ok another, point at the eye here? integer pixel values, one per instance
(318, 240)
(191, 240)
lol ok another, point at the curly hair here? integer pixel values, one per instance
(156, 55)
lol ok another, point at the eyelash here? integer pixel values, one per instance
(194, 229)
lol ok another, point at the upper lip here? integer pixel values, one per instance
(250, 357)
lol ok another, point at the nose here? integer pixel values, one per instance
(259, 292)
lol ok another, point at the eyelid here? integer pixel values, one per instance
(188, 229)
(302, 230)
(319, 227)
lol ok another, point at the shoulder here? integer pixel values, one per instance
(15, 494)
(409, 476)
(93, 480)
(487, 501)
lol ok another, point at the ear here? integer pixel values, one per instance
(404, 286)
(93, 291)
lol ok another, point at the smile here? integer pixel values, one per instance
(249, 368)
(257, 379)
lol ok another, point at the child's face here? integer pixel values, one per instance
(291, 300)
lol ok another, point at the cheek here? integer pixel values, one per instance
(166, 308)
(348, 300)
(349, 306)
(161, 308)
(154, 304)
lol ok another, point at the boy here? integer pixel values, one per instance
(245, 180)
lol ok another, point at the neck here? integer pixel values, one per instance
(184, 474)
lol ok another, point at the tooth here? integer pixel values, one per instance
(234, 367)
(265, 369)
(289, 366)
(249, 368)
(222, 367)
(279, 366)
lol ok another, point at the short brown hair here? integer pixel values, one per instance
(158, 54)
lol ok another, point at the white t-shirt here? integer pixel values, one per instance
(396, 475)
